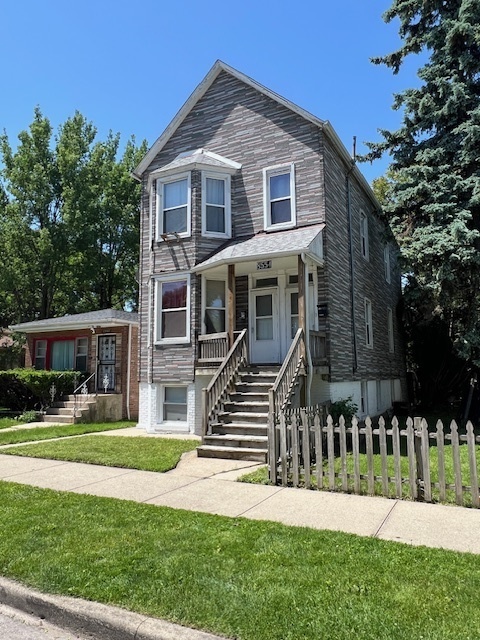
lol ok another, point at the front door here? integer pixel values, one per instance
(264, 327)
(106, 363)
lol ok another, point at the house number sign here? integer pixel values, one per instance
(264, 264)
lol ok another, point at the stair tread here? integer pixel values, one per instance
(220, 448)
(232, 436)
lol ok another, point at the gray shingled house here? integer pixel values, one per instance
(268, 274)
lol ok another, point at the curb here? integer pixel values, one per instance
(92, 618)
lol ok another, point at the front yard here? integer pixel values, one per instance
(246, 579)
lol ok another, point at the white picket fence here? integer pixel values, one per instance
(410, 462)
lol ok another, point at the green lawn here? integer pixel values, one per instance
(149, 454)
(261, 475)
(7, 422)
(246, 579)
(45, 433)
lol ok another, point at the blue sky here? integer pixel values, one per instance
(130, 66)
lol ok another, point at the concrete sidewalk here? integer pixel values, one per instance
(207, 485)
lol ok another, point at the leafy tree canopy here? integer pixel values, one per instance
(432, 195)
(69, 221)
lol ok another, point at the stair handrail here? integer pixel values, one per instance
(222, 380)
(83, 389)
(281, 390)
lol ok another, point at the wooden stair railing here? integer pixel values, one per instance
(213, 394)
(281, 391)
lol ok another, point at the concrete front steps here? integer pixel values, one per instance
(240, 432)
(62, 411)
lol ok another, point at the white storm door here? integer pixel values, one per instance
(264, 330)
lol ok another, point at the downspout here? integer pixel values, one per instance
(128, 368)
(352, 268)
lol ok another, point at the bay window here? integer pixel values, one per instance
(173, 309)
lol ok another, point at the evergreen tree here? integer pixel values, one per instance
(433, 202)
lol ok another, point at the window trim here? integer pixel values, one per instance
(161, 406)
(158, 340)
(368, 323)
(269, 172)
(364, 241)
(160, 184)
(227, 207)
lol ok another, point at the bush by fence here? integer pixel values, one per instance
(29, 389)
(308, 449)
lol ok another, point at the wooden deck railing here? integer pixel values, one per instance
(282, 389)
(213, 395)
(212, 348)
(318, 347)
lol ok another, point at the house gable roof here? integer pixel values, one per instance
(203, 87)
(102, 318)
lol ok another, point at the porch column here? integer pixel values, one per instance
(302, 288)
(231, 303)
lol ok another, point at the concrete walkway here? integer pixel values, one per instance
(207, 485)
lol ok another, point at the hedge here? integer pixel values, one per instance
(29, 389)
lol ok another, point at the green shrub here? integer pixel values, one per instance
(29, 389)
(28, 416)
(344, 407)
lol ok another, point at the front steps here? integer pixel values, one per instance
(62, 411)
(241, 429)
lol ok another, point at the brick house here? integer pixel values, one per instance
(102, 343)
(268, 274)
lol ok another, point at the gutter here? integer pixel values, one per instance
(129, 368)
(352, 268)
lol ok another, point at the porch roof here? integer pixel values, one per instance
(102, 318)
(263, 246)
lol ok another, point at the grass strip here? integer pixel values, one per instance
(260, 476)
(45, 433)
(5, 423)
(250, 580)
(148, 454)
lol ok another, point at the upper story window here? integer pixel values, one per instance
(386, 262)
(172, 312)
(368, 323)
(173, 206)
(216, 216)
(364, 235)
(390, 334)
(279, 197)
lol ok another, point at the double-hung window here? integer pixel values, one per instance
(40, 354)
(386, 262)
(279, 197)
(364, 235)
(173, 206)
(81, 354)
(368, 323)
(173, 309)
(216, 217)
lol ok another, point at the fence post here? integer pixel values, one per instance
(417, 425)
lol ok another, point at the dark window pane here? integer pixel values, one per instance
(280, 186)
(174, 294)
(280, 211)
(174, 324)
(216, 219)
(264, 305)
(175, 220)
